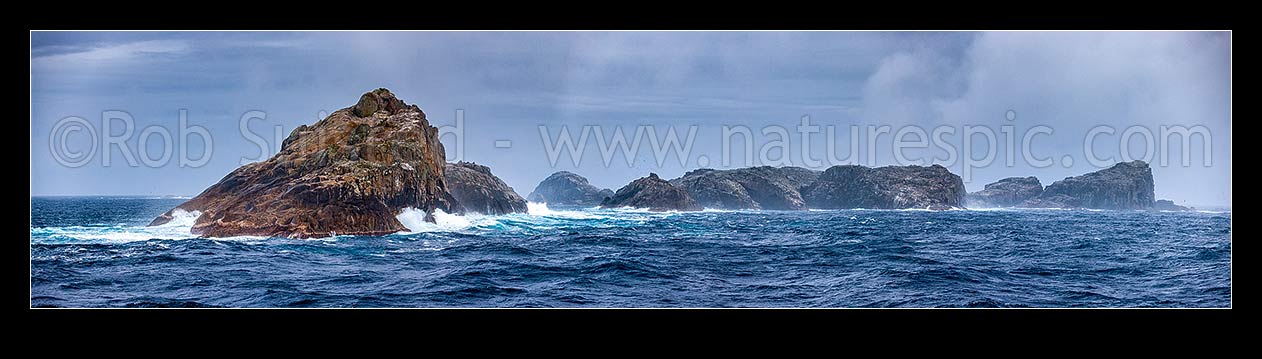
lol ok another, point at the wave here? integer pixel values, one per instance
(541, 209)
(414, 220)
(914, 210)
(182, 219)
(989, 209)
(180, 227)
(538, 217)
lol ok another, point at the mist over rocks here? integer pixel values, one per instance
(567, 188)
(890, 187)
(653, 193)
(479, 191)
(350, 173)
(1006, 192)
(1126, 185)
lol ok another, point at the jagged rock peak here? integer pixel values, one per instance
(380, 100)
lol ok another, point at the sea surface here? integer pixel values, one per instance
(97, 252)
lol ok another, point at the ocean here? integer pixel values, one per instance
(97, 252)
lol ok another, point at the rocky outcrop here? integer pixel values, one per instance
(1168, 205)
(1006, 192)
(350, 173)
(479, 191)
(567, 188)
(653, 193)
(800, 177)
(1126, 185)
(891, 187)
(763, 187)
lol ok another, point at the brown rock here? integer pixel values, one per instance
(478, 190)
(350, 173)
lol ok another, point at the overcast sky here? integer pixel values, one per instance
(510, 83)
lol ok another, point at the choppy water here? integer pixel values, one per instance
(96, 252)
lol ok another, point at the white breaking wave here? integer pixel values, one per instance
(988, 209)
(180, 227)
(182, 218)
(541, 209)
(414, 220)
(538, 216)
(538, 209)
(915, 210)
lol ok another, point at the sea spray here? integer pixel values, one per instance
(414, 220)
(541, 209)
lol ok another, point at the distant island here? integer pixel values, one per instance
(354, 171)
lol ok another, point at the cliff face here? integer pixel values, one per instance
(568, 189)
(1126, 185)
(479, 191)
(1006, 192)
(350, 173)
(891, 187)
(653, 193)
(747, 188)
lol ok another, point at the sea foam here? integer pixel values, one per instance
(414, 220)
(180, 227)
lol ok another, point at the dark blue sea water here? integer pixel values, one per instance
(96, 252)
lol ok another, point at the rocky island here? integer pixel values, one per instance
(653, 193)
(567, 188)
(354, 171)
(762, 187)
(1126, 185)
(890, 187)
(1006, 192)
(479, 191)
(1168, 205)
(350, 173)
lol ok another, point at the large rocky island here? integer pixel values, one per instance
(350, 173)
